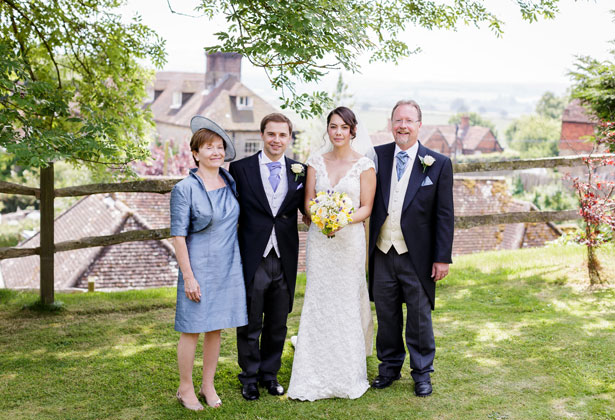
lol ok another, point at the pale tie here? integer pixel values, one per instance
(274, 174)
(402, 159)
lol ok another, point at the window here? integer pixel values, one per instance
(252, 146)
(177, 100)
(150, 95)
(243, 102)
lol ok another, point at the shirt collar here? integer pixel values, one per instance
(411, 151)
(264, 160)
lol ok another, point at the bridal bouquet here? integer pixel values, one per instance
(331, 211)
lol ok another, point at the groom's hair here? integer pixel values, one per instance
(408, 102)
(276, 117)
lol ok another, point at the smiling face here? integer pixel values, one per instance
(405, 126)
(276, 138)
(211, 153)
(338, 131)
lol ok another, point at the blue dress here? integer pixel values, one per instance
(208, 220)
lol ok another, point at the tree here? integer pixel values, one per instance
(551, 106)
(71, 87)
(594, 85)
(301, 40)
(475, 119)
(534, 136)
(597, 201)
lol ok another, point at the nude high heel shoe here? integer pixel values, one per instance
(217, 404)
(196, 407)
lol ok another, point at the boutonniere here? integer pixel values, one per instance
(298, 170)
(426, 161)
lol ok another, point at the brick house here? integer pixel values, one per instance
(217, 94)
(577, 124)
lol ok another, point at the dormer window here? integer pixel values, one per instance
(150, 95)
(177, 100)
(243, 102)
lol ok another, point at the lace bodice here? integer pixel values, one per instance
(350, 183)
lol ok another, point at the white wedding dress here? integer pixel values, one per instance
(336, 328)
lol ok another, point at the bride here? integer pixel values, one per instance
(336, 329)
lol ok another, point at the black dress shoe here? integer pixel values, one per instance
(382, 381)
(423, 388)
(273, 387)
(250, 392)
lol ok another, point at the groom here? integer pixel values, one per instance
(410, 244)
(271, 189)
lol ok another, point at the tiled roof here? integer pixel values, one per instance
(151, 207)
(449, 132)
(381, 137)
(216, 104)
(93, 215)
(132, 264)
(478, 195)
(474, 136)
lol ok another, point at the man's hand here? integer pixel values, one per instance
(439, 271)
(306, 220)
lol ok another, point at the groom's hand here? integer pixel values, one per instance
(439, 271)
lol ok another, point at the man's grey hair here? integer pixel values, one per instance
(408, 102)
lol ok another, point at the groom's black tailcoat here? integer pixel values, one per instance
(427, 219)
(256, 219)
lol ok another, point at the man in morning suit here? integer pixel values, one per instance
(271, 189)
(410, 245)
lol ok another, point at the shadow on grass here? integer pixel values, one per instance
(512, 343)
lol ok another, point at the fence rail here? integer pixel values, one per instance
(47, 193)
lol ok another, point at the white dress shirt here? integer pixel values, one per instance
(275, 199)
(391, 234)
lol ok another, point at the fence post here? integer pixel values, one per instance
(47, 239)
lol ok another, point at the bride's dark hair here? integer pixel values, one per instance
(347, 116)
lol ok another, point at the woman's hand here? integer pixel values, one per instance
(332, 233)
(192, 289)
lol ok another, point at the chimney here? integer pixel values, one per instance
(220, 66)
(465, 122)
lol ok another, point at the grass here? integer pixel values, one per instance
(519, 336)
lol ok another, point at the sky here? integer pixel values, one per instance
(538, 53)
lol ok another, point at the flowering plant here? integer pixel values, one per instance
(596, 193)
(298, 170)
(331, 211)
(426, 161)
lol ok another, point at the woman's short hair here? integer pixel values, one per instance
(201, 137)
(347, 116)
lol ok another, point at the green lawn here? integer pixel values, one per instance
(518, 336)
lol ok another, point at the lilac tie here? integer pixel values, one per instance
(402, 159)
(274, 174)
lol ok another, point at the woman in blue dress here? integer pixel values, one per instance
(210, 287)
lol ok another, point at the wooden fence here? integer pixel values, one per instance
(46, 194)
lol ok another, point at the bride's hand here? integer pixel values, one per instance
(332, 234)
